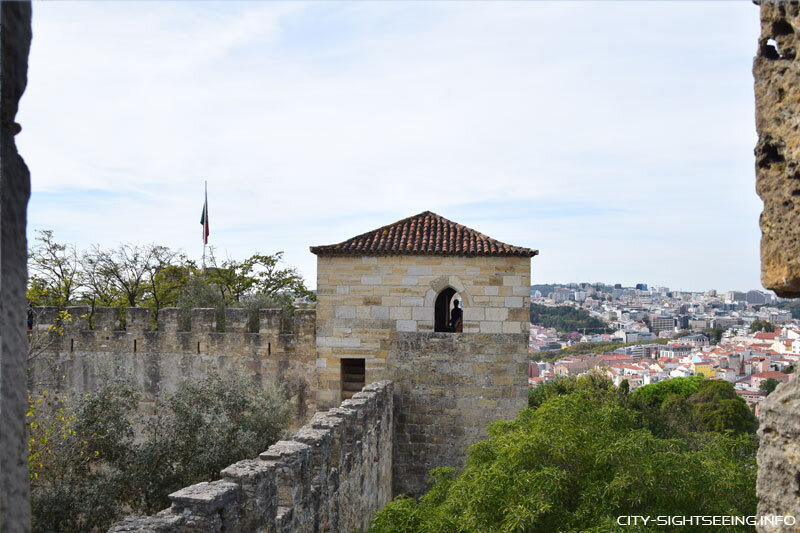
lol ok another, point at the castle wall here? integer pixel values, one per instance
(777, 90)
(330, 477)
(158, 361)
(448, 385)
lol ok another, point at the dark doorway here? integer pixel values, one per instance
(442, 310)
(353, 377)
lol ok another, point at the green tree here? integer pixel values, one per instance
(768, 385)
(89, 467)
(715, 334)
(259, 274)
(576, 463)
(54, 271)
(762, 325)
(704, 405)
(122, 272)
(168, 272)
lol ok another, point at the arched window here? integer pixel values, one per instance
(443, 309)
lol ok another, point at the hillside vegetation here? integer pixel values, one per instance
(791, 305)
(585, 453)
(583, 348)
(566, 319)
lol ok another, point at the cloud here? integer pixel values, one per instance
(616, 127)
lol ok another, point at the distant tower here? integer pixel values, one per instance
(384, 303)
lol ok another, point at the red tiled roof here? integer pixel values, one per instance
(423, 234)
(769, 336)
(780, 376)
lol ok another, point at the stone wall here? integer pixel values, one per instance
(158, 361)
(362, 301)
(15, 39)
(330, 477)
(777, 89)
(776, 69)
(448, 389)
(449, 386)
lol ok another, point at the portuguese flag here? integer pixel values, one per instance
(204, 218)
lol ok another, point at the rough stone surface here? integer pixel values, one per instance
(330, 477)
(448, 389)
(159, 361)
(779, 456)
(15, 38)
(776, 69)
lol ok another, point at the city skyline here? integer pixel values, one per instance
(615, 138)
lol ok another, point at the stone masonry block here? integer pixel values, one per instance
(406, 325)
(474, 313)
(137, 320)
(400, 313)
(205, 498)
(420, 270)
(422, 314)
(345, 311)
(235, 320)
(379, 313)
(513, 301)
(412, 301)
(204, 320)
(491, 327)
(106, 319)
(497, 313)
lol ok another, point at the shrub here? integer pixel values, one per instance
(89, 467)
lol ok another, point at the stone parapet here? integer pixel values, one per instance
(75, 357)
(331, 476)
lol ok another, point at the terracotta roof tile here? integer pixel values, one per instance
(424, 234)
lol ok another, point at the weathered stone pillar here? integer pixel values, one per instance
(776, 69)
(15, 39)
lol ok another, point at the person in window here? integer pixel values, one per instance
(456, 324)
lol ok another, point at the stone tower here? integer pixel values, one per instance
(383, 312)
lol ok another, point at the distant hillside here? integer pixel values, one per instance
(544, 289)
(566, 319)
(791, 305)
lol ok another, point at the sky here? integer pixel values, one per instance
(614, 137)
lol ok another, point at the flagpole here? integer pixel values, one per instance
(205, 207)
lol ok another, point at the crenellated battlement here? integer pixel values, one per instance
(330, 476)
(171, 319)
(135, 333)
(75, 355)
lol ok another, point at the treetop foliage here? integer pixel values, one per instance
(581, 455)
(762, 325)
(155, 276)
